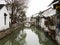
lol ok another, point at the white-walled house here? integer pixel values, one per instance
(47, 13)
(4, 17)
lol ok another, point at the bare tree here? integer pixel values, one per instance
(14, 7)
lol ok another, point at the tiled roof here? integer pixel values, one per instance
(1, 5)
(53, 2)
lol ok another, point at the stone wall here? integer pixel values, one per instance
(9, 30)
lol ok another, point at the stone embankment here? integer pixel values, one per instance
(9, 30)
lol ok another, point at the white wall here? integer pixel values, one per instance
(2, 25)
(49, 12)
(42, 24)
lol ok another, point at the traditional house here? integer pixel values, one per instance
(4, 17)
(47, 16)
(57, 7)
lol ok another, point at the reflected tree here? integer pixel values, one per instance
(16, 38)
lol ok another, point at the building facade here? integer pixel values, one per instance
(4, 17)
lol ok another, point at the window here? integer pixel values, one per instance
(5, 18)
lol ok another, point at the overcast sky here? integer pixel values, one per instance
(2, 2)
(34, 6)
(37, 5)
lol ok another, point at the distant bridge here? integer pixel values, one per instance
(28, 22)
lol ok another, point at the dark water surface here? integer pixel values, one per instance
(27, 36)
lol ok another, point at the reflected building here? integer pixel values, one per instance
(43, 39)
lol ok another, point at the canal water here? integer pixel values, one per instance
(27, 36)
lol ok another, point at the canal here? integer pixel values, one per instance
(27, 36)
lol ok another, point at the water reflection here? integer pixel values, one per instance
(16, 38)
(43, 39)
(31, 38)
(27, 36)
